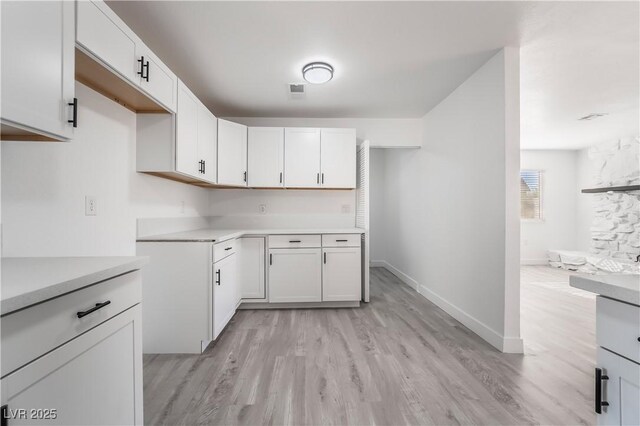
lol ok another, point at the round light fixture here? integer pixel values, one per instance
(317, 72)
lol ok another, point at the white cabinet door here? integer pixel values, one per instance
(38, 44)
(265, 157)
(232, 153)
(621, 390)
(207, 143)
(187, 160)
(93, 379)
(295, 275)
(156, 78)
(338, 158)
(251, 273)
(224, 293)
(107, 39)
(302, 158)
(341, 274)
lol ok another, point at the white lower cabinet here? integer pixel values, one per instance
(619, 385)
(617, 373)
(295, 275)
(251, 272)
(341, 274)
(94, 378)
(225, 292)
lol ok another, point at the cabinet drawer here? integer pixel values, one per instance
(223, 249)
(294, 241)
(34, 331)
(341, 240)
(618, 327)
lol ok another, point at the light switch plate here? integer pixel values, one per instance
(90, 205)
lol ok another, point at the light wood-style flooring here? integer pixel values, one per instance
(397, 360)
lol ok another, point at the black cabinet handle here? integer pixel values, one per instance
(325, 257)
(146, 77)
(323, 178)
(295, 241)
(245, 176)
(598, 398)
(204, 166)
(95, 308)
(141, 62)
(318, 178)
(228, 248)
(74, 120)
(218, 279)
(280, 177)
(201, 168)
(270, 259)
(341, 241)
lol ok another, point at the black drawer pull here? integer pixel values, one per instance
(228, 248)
(218, 274)
(598, 397)
(95, 308)
(341, 241)
(295, 241)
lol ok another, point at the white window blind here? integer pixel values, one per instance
(530, 194)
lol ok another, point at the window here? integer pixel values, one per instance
(531, 194)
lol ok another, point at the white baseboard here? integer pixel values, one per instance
(534, 261)
(495, 339)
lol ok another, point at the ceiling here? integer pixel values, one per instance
(400, 59)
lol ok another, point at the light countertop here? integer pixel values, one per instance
(217, 235)
(623, 287)
(30, 280)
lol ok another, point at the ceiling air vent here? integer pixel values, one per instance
(592, 116)
(296, 90)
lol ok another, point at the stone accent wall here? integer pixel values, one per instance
(616, 228)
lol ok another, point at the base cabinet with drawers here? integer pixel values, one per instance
(71, 370)
(617, 373)
(315, 268)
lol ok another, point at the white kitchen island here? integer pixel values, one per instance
(617, 372)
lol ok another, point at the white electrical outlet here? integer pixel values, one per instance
(262, 208)
(90, 205)
(346, 208)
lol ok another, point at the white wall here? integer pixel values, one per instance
(381, 132)
(284, 208)
(454, 240)
(44, 185)
(557, 229)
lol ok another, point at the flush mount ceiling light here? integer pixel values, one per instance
(317, 72)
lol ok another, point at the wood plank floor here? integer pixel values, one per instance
(397, 360)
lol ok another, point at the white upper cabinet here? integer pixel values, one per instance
(180, 146)
(105, 37)
(155, 77)
(207, 144)
(302, 158)
(38, 42)
(338, 158)
(186, 142)
(265, 162)
(232, 153)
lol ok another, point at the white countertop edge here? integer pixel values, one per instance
(219, 235)
(75, 282)
(622, 287)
